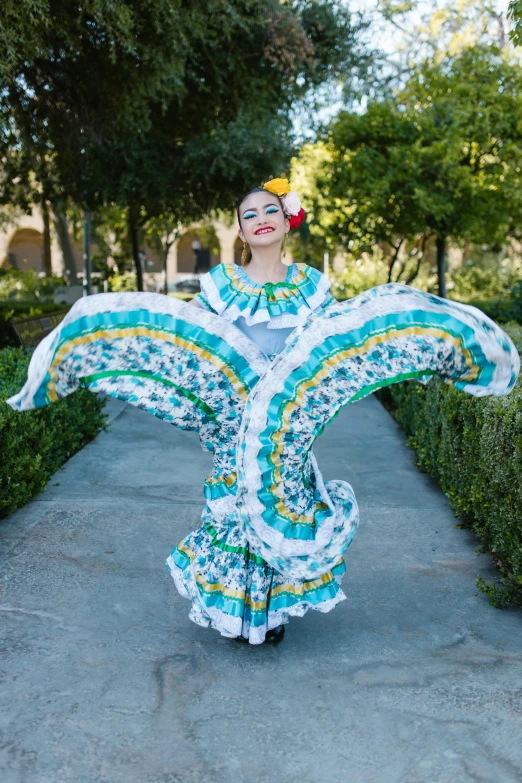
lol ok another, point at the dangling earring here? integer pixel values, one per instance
(284, 246)
(244, 254)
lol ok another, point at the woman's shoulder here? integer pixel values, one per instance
(305, 272)
(220, 283)
(314, 286)
(230, 274)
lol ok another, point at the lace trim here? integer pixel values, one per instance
(234, 627)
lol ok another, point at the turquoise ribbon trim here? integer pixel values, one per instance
(154, 321)
(283, 600)
(234, 287)
(378, 325)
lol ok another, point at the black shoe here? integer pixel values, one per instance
(241, 639)
(275, 635)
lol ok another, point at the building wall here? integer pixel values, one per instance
(181, 260)
(22, 242)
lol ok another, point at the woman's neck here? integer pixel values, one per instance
(266, 266)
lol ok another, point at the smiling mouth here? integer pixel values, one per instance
(267, 230)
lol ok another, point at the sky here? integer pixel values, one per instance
(381, 35)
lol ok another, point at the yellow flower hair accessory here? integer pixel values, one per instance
(291, 202)
(280, 187)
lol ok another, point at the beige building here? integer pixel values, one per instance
(21, 246)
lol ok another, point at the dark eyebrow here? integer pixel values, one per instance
(253, 209)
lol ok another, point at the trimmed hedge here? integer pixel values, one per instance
(17, 308)
(504, 309)
(34, 444)
(473, 448)
(501, 310)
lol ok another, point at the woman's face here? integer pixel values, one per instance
(262, 221)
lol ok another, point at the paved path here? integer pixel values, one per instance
(413, 679)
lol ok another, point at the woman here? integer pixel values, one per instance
(259, 365)
(266, 299)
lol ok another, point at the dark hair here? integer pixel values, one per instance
(258, 190)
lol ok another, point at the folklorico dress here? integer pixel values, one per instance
(232, 588)
(259, 372)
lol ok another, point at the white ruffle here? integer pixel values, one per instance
(231, 313)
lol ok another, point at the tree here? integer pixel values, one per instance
(442, 159)
(433, 30)
(163, 106)
(515, 14)
(162, 232)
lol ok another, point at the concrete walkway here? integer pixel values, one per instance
(413, 679)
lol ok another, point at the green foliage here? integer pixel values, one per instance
(473, 448)
(501, 310)
(516, 299)
(489, 280)
(34, 444)
(169, 105)
(124, 282)
(160, 107)
(489, 277)
(110, 232)
(515, 13)
(371, 268)
(440, 29)
(442, 158)
(17, 284)
(504, 308)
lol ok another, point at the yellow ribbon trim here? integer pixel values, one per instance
(142, 331)
(306, 587)
(276, 487)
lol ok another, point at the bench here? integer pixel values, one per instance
(30, 331)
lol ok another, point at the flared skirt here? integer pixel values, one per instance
(235, 591)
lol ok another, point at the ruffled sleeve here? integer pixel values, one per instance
(202, 300)
(229, 292)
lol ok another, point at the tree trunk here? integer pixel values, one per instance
(420, 256)
(165, 284)
(66, 246)
(441, 265)
(169, 241)
(47, 261)
(133, 236)
(397, 250)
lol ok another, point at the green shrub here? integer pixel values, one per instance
(473, 448)
(501, 310)
(17, 284)
(126, 281)
(504, 309)
(34, 444)
(516, 300)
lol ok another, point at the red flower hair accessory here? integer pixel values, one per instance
(296, 220)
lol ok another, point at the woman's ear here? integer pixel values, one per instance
(241, 235)
(287, 225)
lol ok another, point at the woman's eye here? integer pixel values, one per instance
(271, 210)
(248, 215)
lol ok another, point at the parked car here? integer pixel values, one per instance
(189, 285)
